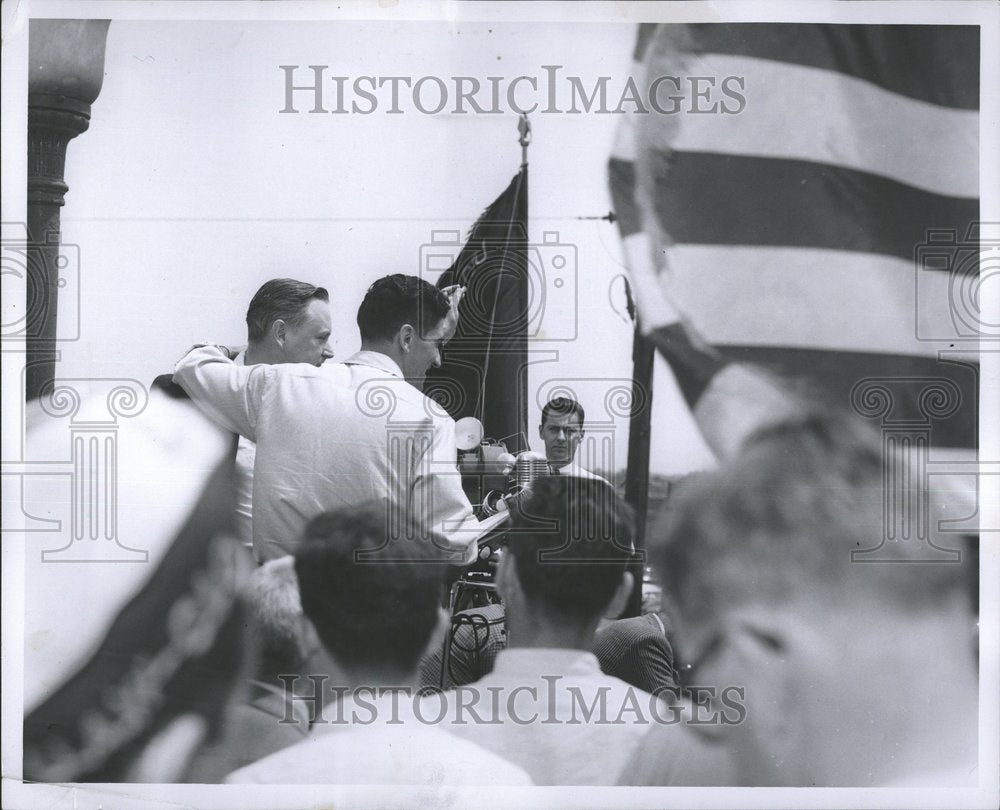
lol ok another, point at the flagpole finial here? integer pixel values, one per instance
(524, 128)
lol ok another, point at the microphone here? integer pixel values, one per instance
(505, 463)
(530, 465)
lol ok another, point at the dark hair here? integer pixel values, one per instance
(561, 406)
(571, 541)
(395, 300)
(780, 520)
(280, 299)
(376, 614)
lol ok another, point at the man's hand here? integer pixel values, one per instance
(454, 295)
(232, 352)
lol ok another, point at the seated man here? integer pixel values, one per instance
(562, 431)
(546, 706)
(374, 621)
(855, 673)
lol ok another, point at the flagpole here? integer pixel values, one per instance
(637, 472)
(521, 383)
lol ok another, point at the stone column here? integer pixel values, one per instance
(65, 74)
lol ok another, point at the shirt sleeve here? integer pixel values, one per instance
(229, 394)
(439, 500)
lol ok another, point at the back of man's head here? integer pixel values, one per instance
(395, 300)
(570, 542)
(777, 526)
(374, 613)
(280, 299)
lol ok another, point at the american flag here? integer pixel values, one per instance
(822, 221)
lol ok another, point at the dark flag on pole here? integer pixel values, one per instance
(484, 371)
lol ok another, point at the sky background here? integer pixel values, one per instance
(190, 189)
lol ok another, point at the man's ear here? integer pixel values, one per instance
(278, 332)
(405, 336)
(617, 604)
(541, 435)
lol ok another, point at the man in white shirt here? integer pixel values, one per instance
(346, 433)
(562, 431)
(288, 321)
(374, 622)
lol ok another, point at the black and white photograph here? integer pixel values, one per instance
(532, 404)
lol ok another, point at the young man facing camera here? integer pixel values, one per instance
(562, 431)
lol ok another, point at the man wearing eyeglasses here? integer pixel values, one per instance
(562, 431)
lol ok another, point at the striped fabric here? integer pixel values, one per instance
(793, 230)
(637, 651)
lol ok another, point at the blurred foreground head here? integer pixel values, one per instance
(566, 557)
(856, 672)
(374, 609)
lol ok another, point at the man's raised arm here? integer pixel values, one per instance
(228, 393)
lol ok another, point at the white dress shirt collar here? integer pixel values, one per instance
(382, 362)
(521, 662)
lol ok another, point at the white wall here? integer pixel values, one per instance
(190, 189)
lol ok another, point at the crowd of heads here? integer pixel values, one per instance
(756, 565)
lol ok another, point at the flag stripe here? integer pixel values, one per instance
(828, 299)
(622, 174)
(792, 227)
(705, 198)
(836, 119)
(914, 60)
(832, 375)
